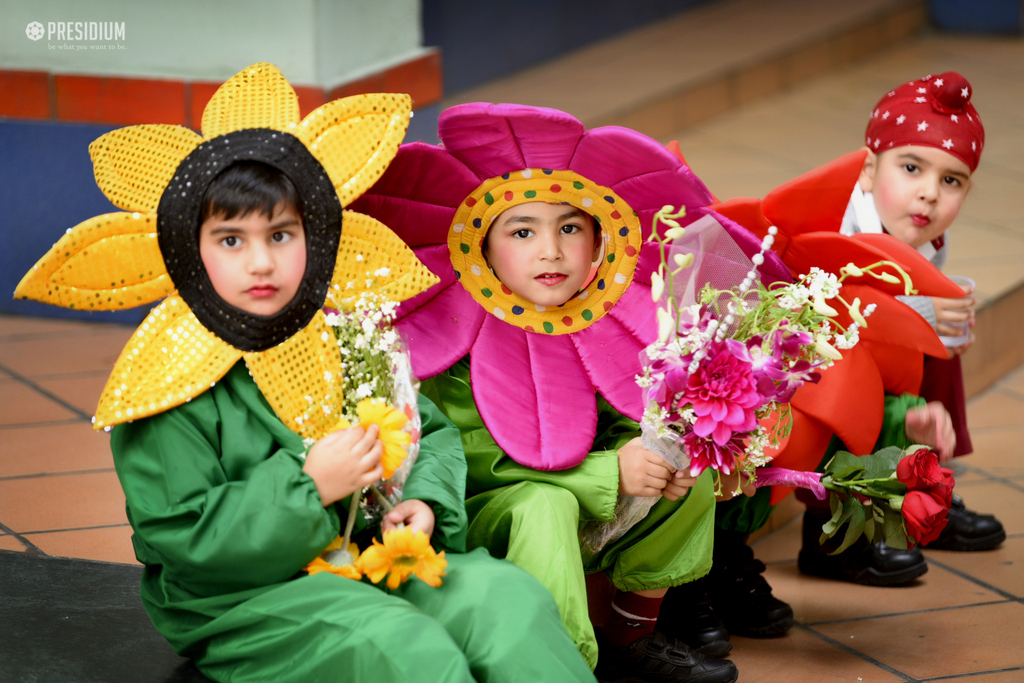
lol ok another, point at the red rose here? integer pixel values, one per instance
(920, 470)
(924, 515)
(943, 491)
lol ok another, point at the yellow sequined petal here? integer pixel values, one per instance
(109, 262)
(355, 138)
(169, 360)
(258, 96)
(379, 248)
(301, 378)
(133, 165)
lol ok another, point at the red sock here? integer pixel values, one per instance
(632, 616)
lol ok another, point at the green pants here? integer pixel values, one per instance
(476, 627)
(535, 525)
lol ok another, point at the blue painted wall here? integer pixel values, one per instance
(481, 41)
(46, 187)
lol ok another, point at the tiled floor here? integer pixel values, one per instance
(59, 496)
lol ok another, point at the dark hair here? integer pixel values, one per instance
(248, 186)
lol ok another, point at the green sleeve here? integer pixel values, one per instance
(594, 482)
(894, 420)
(893, 432)
(439, 477)
(215, 500)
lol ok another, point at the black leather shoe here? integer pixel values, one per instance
(968, 531)
(740, 594)
(654, 658)
(862, 562)
(687, 615)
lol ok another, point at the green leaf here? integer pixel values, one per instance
(869, 529)
(891, 455)
(856, 524)
(842, 460)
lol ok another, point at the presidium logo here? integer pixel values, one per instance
(76, 31)
(35, 30)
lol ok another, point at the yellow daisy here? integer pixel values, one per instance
(390, 421)
(348, 571)
(402, 554)
(126, 259)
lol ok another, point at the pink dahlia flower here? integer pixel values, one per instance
(724, 395)
(535, 379)
(705, 453)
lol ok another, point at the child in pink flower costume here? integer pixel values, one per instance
(540, 381)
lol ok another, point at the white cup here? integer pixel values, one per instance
(963, 329)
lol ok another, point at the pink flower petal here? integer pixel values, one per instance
(611, 356)
(493, 139)
(722, 434)
(636, 312)
(533, 395)
(418, 194)
(645, 173)
(441, 330)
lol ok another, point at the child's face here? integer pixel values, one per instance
(541, 251)
(255, 262)
(918, 191)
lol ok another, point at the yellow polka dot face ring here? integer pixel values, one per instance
(179, 216)
(620, 228)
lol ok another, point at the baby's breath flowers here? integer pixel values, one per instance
(378, 388)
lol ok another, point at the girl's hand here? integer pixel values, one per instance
(415, 514)
(678, 484)
(345, 461)
(729, 482)
(952, 311)
(932, 426)
(642, 472)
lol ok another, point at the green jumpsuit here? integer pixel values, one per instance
(225, 519)
(532, 517)
(746, 515)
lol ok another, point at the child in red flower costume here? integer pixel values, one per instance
(871, 398)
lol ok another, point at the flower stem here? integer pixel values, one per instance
(388, 507)
(350, 521)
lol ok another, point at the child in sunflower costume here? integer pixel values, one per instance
(535, 360)
(209, 404)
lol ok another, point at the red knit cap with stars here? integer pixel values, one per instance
(935, 111)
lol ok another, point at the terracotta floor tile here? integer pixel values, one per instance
(56, 355)
(945, 642)
(781, 546)
(110, 544)
(1012, 676)
(1014, 381)
(1002, 568)
(81, 392)
(67, 501)
(801, 657)
(54, 448)
(817, 600)
(997, 450)
(995, 408)
(8, 542)
(22, 404)
(18, 325)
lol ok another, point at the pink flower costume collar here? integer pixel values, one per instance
(535, 370)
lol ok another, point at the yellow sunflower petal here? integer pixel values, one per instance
(392, 459)
(374, 562)
(380, 248)
(133, 165)
(108, 262)
(430, 570)
(258, 96)
(302, 379)
(355, 138)
(169, 360)
(320, 565)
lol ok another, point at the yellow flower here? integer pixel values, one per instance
(391, 421)
(348, 571)
(403, 553)
(113, 261)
